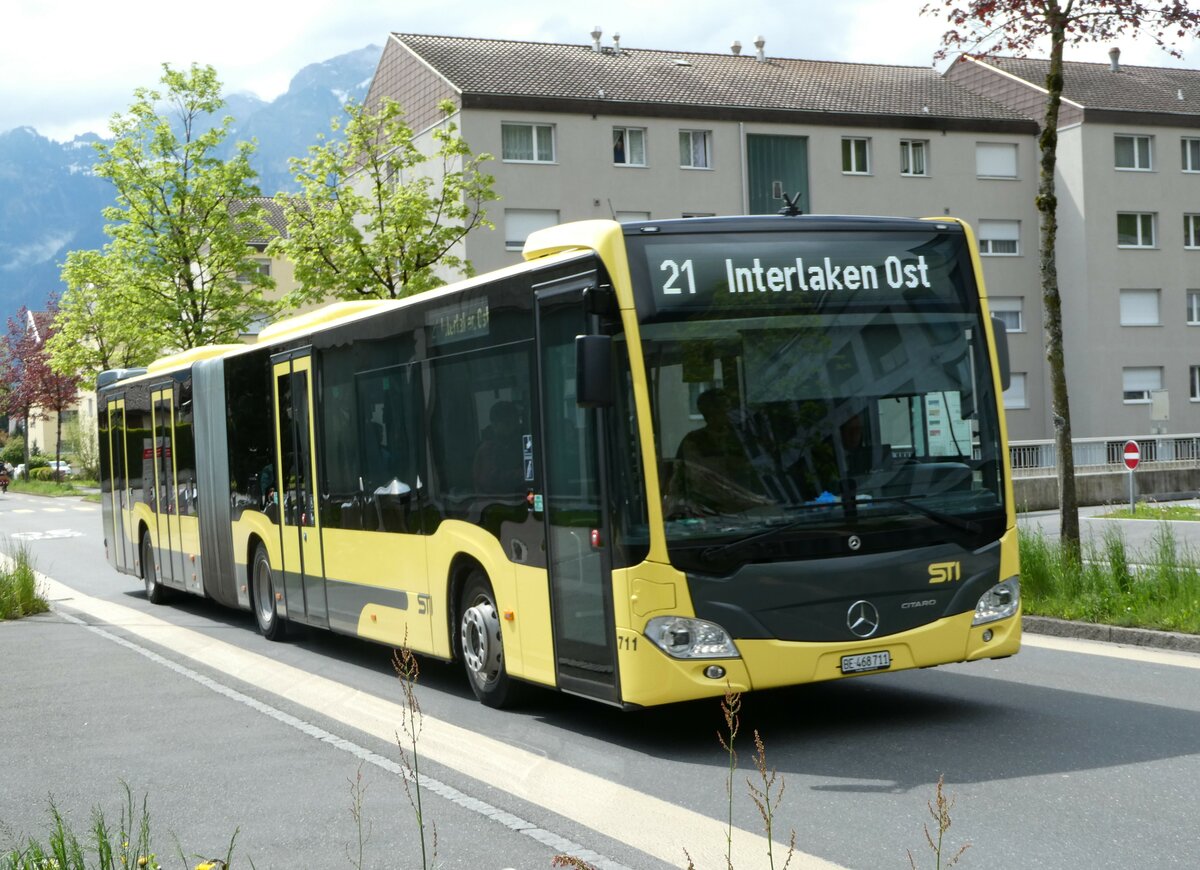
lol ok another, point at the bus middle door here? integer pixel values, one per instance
(166, 489)
(296, 474)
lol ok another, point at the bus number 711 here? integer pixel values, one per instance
(670, 288)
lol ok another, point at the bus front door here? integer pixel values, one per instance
(296, 473)
(579, 562)
(118, 485)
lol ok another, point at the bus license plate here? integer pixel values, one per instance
(872, 661)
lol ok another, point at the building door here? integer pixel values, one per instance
(579, 562)
(776, 165)
(296, 474)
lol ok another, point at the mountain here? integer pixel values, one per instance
(50, 201)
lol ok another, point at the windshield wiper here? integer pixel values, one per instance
(949, 520)
(715, 551)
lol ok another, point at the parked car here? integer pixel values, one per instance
(63, 467)
(19, 471)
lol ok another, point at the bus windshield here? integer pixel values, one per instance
(781, 413)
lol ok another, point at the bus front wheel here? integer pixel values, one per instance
(156, 593)
(482, 645)
(270, 624)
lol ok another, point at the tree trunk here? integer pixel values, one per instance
(1047, 204)
(58, 446)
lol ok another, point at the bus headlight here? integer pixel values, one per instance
(999, 602)
(685, 638)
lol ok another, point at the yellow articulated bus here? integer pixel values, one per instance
(653, 460)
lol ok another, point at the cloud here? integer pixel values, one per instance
(41, 251)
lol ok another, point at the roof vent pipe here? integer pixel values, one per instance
(1114, 59)
(596, 34)
(759, 43)
(736, 48)
(617, 42)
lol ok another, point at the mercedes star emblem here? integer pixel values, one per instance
(854, 542)
(862, 619)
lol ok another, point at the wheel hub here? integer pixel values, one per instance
(481, 640)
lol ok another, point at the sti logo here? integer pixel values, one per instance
(945, 572)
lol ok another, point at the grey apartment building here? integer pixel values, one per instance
(593, 130)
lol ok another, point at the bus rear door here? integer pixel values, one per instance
(118, 483)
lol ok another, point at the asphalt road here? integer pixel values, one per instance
(1071, 754)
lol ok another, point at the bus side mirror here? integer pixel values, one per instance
(593, 371)
(1001, 332)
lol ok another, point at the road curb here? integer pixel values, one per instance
(1171, 640)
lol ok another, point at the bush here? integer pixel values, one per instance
(14, 451)
(42, 472)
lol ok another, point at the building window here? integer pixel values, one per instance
(1194, 378)
(1140, 308)
(856, 155)
(913, 153)
(527, 143)
(262, 267)
(996, 159)
(629, 146)
(695, 149)
(1010, 310)
(1138, 383)
(1014, 396)
(698, 214)
(1191, 230)
(520, 222)
(1135, 230)
(1193, 307)
(257, 324)
(1191, 154)
(1132, 152)
(629, 216)
(1000, 238)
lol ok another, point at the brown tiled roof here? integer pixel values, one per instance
(678, 78)
(1130, 89)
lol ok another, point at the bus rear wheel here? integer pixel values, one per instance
(156, 593)
(482, 644)
(262, 597)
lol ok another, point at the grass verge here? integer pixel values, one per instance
(1157, 588)
(1152, 511)
(19, 593)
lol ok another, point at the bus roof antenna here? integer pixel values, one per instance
(792, 207)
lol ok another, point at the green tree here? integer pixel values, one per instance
(1019, 27)
(378, 213)
(93, 329)
(183, 217)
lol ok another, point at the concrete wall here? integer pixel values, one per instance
(1041, 493)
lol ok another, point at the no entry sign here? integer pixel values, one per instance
(1133, 455)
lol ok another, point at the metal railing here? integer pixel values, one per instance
(1037, 458)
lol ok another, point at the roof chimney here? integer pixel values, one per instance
(596, 34)
(1114, 59)
(736, 48)
(759, 43)
(617, 43)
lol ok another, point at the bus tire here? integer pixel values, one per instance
(271, 625)
(481, 643)
(156, 593)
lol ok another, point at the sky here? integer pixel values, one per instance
(66, 66)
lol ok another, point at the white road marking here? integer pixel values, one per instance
(653, 826)
(1112, 650)
(49, 534)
